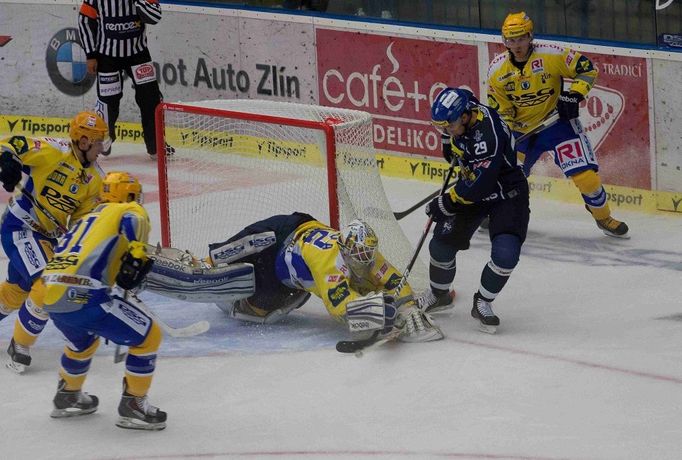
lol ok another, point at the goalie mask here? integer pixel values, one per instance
(358, 244)
(120, 187)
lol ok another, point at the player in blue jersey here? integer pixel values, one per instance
(86, 294)
(490, 184)
(62, 184)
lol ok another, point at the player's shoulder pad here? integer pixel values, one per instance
(497, 63)
(549, 48)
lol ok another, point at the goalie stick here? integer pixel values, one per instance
(546, 123)
(357, 346)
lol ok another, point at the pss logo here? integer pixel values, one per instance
(66, 63)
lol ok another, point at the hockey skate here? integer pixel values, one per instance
(430, 302)
(19, 357)
(71, 403)
(611, 227)
(483, 312)
(136, 413)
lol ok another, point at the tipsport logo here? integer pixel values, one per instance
(66, 63)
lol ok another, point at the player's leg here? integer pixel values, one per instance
(449, 237)
(29, 253)
(573, 153)
(128, 324)
(147, 95)
(508, 228)
(70, 400)
(109, 92)
(261, 244)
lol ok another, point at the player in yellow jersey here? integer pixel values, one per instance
(525, 85)
(295, 256)
(86, 295)
(62, 184)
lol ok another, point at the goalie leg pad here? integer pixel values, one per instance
(232, 251)
(200, 284)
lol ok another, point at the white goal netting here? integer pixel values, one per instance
(239, 161)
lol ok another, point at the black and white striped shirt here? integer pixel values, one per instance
(116, 28)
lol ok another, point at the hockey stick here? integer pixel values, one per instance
(36, 204)
(411, 209)
(356, 346)
(176, 332)
(544, 124)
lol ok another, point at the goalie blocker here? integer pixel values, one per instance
(178, 274)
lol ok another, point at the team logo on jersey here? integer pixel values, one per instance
(64, 203)
(510, 87)
(393, 282)
(536, 66)
(338, 293)
(57, 177)
(66, 63)
(19, 144)
(478, 136)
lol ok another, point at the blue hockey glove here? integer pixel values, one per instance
(441, 208)
(569, 105)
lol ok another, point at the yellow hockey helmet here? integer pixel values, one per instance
(517, 25)
(90, 125)
(120, 187)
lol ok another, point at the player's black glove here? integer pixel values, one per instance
(569, 105)
(441, 208)
(134, 267)
(10, 171)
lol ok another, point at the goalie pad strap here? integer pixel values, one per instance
(225, 253)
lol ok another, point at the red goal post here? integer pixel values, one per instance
(239, 161)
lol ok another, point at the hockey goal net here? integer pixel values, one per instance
(239, 161)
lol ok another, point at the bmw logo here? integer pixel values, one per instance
(66, 63)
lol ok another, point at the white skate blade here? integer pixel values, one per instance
(71, 412)
(613, 235)
(15, 367)
(131, 423)
(486, 328)
(441, 308)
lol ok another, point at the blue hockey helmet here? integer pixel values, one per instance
(449, 105)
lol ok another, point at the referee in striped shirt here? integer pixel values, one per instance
(113, 35)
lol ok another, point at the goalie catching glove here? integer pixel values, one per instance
(134, 266)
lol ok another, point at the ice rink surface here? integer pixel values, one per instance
(587, 364)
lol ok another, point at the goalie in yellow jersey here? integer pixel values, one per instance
(86, 295)
(294, 256)
(526, 85)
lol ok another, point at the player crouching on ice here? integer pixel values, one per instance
(101, 256)
(280, 261)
